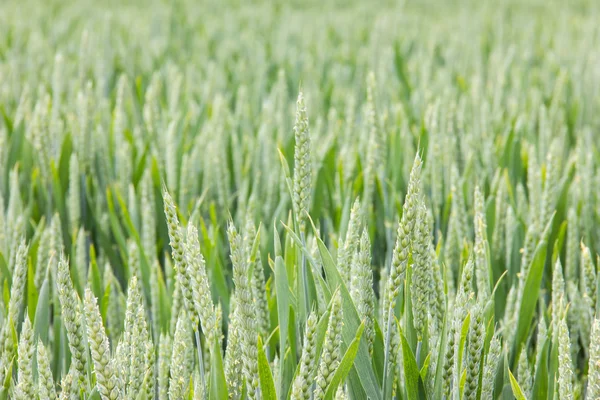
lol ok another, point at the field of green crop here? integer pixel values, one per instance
(299, 200)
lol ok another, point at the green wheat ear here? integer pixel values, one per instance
(72, 314)
(107, 380)
(302, 385)
(302, 164)
(331, 353)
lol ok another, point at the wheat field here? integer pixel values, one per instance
(299, 200)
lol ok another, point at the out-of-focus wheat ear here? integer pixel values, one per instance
(257, 280)
(199, 393)
(509, 227)
(573, 240)
(588, 277)
(524, 376)
(81, 257)
(558, 294)
(133, 259)
(480, 247)
(302, 164)
(498, 235)
(106, 376)
(351, 242)
(593, 388)
(69, 387)
(74, 199)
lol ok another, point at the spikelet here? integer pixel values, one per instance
(565, 365)
(25, 388)
(331, 352)
(46, 388)
(164, 365)
(302, 164)
(301, 387)
(361, 289)
(490, 367)
(106, 379)
(73, 319)
(178, 375)
(525, 378)
(593, 389)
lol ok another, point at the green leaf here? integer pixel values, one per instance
(267, 385)
(515, 387)
(411, 370)
(283, 303)
(218, 385)
(32, 293)
(345, 365)
(532, 289)
(41, 321)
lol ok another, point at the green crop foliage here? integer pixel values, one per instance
(306, 200)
